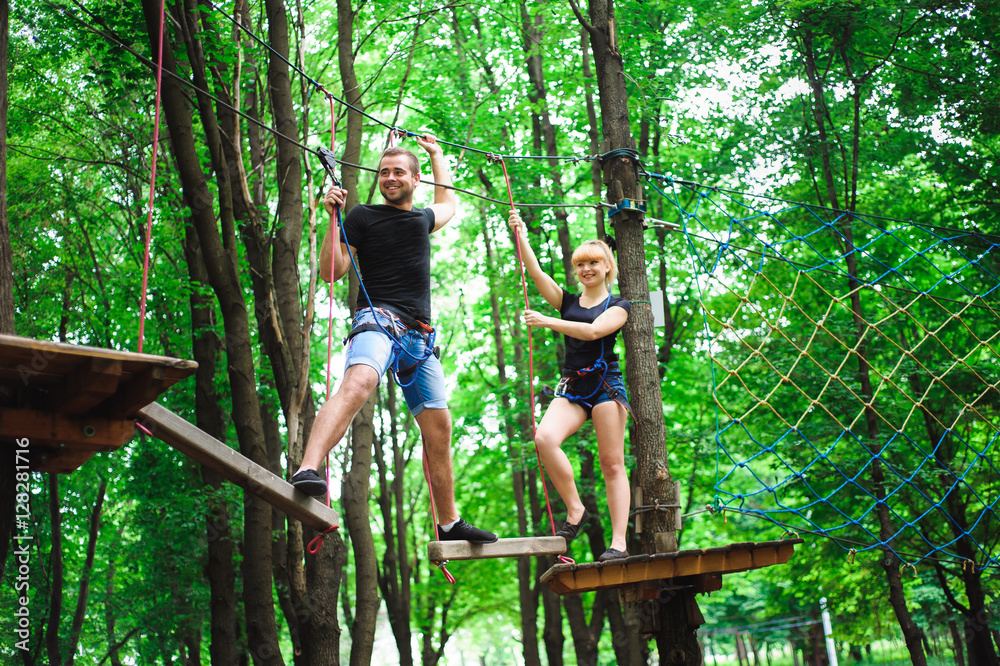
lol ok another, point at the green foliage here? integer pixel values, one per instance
(722, 95)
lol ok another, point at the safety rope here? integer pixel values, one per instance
(443, 565)
(498, 159)
(329, 328)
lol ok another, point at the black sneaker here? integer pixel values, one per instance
(309, 482)
(612, 554)
(463, 531)
(569, 531)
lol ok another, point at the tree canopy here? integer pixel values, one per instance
(820, 186)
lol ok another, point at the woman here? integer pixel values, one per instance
(591, 384)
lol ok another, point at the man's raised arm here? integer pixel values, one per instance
(445, 202)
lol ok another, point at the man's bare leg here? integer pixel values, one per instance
(435, 428)
(337, 413)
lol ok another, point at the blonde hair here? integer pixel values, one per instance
(597, 249)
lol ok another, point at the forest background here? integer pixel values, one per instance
(883, 108)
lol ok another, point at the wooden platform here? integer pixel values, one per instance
(645, 576)
(72, 401)
(242, 471)
(444, 551)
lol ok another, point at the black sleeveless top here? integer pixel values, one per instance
(584, 353)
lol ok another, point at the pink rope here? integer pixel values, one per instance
(329, 328)
(437, 535)
(531, 363)
(152, 182)
(319, 539)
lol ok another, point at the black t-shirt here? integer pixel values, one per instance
(394, 256)
(584, 353)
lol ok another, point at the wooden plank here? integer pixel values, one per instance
(26, 362)
(59, 461)
(90, 384)
(86, 433)
(692, 565)
(245, 473)
(441, 551)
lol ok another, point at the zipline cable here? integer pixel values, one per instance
(110, 36)
(391, 128)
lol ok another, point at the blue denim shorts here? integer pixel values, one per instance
(591, 389)
(423, 388)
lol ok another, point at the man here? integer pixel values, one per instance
(391, 327)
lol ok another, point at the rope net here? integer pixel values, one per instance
(855, 364)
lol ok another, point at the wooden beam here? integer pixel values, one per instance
(90, 384)
(74, 432)
(138, 392)
(693, 565)
(440, 551)
(245, 473)
(59, 461)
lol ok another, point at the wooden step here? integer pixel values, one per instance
(441, 551)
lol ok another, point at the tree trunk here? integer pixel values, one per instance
(976, 613)
(356, 483)
(394, 580)
(532, 31)
(956, 643)
(222, 265)
(220, 569)
(355, 489)
(552, 633)
(912, 634)
(110, 609)
(318, 621)
(7, 465)
(606, 602)
(88, 568)
(55, 574)
(621, 176)
(593, 133)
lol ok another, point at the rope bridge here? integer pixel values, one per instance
(855, 365)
